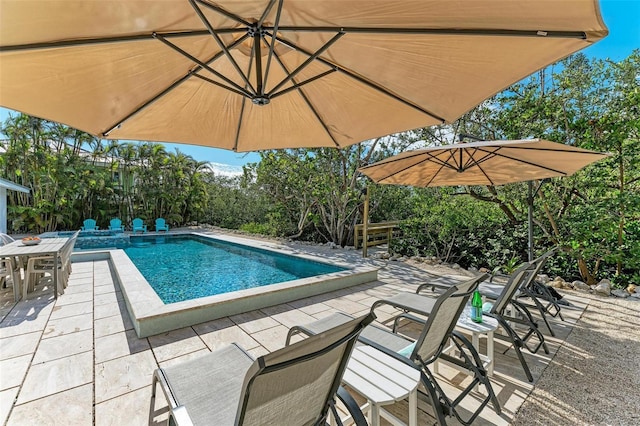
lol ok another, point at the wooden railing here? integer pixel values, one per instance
(377, 233)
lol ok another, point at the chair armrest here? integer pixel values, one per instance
(180, 417)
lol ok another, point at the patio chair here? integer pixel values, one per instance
(541, 296)
(42, 265)
(295, 385)
(161, 225)
(116, 225)
(514, 317)
(137, 225)
(437, 332)
(89, 225)
(5, 239)
(9, 268)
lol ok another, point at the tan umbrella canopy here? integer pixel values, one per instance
(481, 163)
(263, 74)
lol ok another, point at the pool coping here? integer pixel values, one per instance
(152, 316)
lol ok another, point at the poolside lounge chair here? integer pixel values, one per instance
(137, 225)
(89, 225)
(541, 296)
(295, 385)
(116, 225)
(161, 225)
(437, 332)
(514, 317)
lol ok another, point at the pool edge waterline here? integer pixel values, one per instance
(150, 315)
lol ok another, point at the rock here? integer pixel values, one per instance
(579, 285)
(333, 245)
(631, 288)
(543, 278)
(603, 288)
(567, 285)
(455, 266)
(395, 257)
(472, 269)
(635, 296)
(620, 293)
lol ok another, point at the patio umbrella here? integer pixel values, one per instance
(268, 74)
(483, 163)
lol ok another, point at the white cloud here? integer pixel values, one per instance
(225, 169)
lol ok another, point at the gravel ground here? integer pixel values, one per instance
(594, 379)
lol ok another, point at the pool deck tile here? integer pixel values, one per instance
(175, 343)
(77, 361)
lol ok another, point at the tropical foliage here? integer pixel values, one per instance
(318, 195)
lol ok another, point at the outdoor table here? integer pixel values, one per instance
(485, 328)
(382, 380)
(47, 247)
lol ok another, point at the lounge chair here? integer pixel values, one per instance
(161, 225)
(137, 225)
(89, 225)
(541, 296)
(116, 225)
(295, 385)
(436, 333)
(514, 317)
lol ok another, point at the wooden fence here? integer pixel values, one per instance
(377, 233)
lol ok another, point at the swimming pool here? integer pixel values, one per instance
(184, 267)
(150, 315)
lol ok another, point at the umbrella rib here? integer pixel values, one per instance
(306, 63)
(362, 80)
(136, 37)
(309, 104)
(586, 152)
(442, 31)
(302, 83)
(478, 163)
(223, 12)
(147, 103)
(105, 40)
(243, 105)
(267, 10)
(216, 83)
(540, 166)
(171, 87)
(217, 38)
(272, 45)
(238, 88)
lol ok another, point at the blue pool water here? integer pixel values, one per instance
(188, 267)
(185, 267)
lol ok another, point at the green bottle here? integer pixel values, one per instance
(476, 307)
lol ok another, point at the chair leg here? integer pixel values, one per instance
(513, 338)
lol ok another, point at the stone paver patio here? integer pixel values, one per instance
(78, 361)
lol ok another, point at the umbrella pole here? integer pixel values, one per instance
(530, 217)
(365, 223)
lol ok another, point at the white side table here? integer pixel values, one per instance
(383, 380)
(486, 328)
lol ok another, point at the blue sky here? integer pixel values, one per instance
(622, 17)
